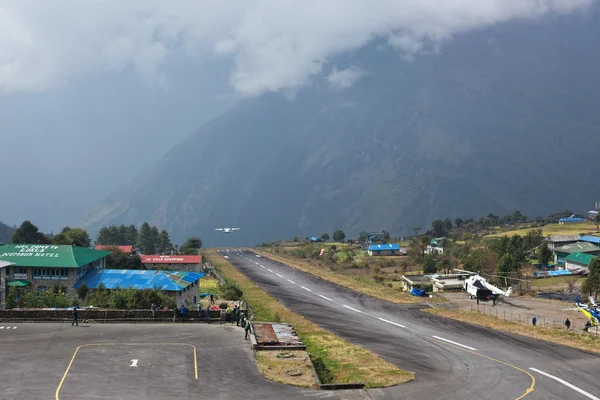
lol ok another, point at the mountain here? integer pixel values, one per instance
(499, 119)
(6, 233)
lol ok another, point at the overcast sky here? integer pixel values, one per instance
(93, 92)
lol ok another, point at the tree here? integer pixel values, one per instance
(592, 283)
(429, 265)
(145, 239)
(325, 237)
(155, 237)
(597, 221)
(131, 235)
(438, 228)
(339, 236)
(164, 242)
(28, 233)
(104, 236)
(448, 225)
(82, 291)
(458, 222)
(231, 291)
(191, 246)
(73, 236)
(416, 229)
(507, 264)
(121, 260)
(544, 253)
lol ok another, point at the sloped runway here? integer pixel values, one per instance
(452, 360)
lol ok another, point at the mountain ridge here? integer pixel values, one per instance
(494, 123)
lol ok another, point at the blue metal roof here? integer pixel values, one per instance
(571, 219)
(591, 239)
(138, 279)
(384, 247)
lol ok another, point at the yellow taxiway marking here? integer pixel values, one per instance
(124, 344)
(527, 391)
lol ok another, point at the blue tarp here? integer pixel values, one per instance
(138, 279)
(418, 292)
(554, 273)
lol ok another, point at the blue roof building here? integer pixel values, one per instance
(140, 279)
(590, 239)
(570, 220)
(384, 249)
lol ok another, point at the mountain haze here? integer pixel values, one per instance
(499, 119)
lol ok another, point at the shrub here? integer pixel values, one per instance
(231, 291)
(223, 306)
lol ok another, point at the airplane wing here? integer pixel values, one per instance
(235, 229)
(219, 229)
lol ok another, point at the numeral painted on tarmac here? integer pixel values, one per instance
(134, 362)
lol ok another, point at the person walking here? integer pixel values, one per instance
(199, 309)
(212, 299)
(228, 313)
(75, 316)
(183, 311)
(534, 320)
(568, 324)
(153, 308)
(234, 314)
(247, 329)
(175, 313)
(208, 314)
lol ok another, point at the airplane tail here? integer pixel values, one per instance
(508, 292)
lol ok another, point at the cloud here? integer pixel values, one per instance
(344, 78)
(272, 44)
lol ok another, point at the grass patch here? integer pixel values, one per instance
(359, 284)
(587, 342)
(552, 229)
(275, 368)
(556, 280)
(336, 360)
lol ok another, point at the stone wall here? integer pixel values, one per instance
(94, 315)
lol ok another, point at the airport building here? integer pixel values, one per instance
(42, 266)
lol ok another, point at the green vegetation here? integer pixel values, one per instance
(592, 282)
(130, 299)
(191, 246)
(72, 237)
(335, 360)
(548, 334)
(120, 260)
(544, 254)
(28, 233)
(339, 236)
(231, 291)
(114, 235)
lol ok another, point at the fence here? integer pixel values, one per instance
(526, 319)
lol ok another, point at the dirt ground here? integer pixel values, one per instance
(521, 309)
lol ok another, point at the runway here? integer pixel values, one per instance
(451, 359)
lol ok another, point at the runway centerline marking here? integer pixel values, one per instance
(279, 275)
(305, 288)
(455, 343)
(390, 322)
(326, 298)
(353, 309)
(557, 379)
(270, 270)
(291, 281)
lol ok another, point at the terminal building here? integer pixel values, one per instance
(172, 262)
(42, 266)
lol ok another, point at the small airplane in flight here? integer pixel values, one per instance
(227, 230)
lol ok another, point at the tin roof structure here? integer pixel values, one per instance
(139, 279)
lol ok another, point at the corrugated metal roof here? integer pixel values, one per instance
(563, 238)
(5, 264)
(580, 258)
(571, 219)
(581, 247)
(49, 255)
(392, 246)
(592, 239)
(138, 279)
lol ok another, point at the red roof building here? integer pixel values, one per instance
(124, 249)
(174, 259)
